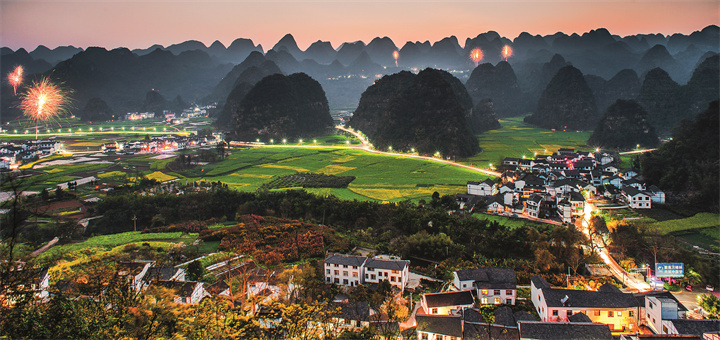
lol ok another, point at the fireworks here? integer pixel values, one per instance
(15, 78)
(506, 52)
(43, 101)
(476, 55)
(396, 55)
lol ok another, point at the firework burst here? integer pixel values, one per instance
(43, 101)
(506, 52)
(396, 55)
(15, 78)
(476, 55)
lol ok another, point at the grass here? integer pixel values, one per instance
(697, 221)
(517, 139)
(506, 221)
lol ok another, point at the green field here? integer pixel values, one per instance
(509, 222)
(517, 139)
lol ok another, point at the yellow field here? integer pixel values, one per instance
(87, 144)
(159, 176)
(252, 175)
(275, 166)
(53, 170)
(343, 159)
(334, 169)
(111, 174)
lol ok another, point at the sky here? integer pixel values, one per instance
(142, 23)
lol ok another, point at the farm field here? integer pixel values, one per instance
(517, 139)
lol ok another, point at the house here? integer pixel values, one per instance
(439, 327)
(219, 288)
(492, 285)
(658, 309)
(394, 270)
(350, 270)
(385, 330)
(186, 292)
(352, 315)
(608, 305)
(635, 198)
(633, 182)
(447, 303)
(266, 283)
(532, 205)
(36, 280)
(563, 330)
(344, 270)
(134, 272)
(656, 195)
(484, 188)
(494, 204)
(708, 329)
(164, 273)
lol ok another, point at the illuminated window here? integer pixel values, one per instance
(619, 313)
(497, 301)
(610, 314)
(484, 301)
(434, 311)
(484, 292)
(597, 313)
(631, 314)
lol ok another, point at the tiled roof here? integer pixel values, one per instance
(488, 275)
(696, 327)
(183, 288)
(160, 273)
(445, 325)
(585, 298)
(349, 260)
(387, 264)
(359, 311)
(563, 331)
(539, 282)
(460, 298)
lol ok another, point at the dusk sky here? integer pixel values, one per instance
(142, 23)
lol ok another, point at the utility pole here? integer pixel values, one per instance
(134, 219)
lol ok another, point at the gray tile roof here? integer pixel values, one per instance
(460, 298)
(387, 264)
(539, 282)
(445, 325)
(579, 317)
(588, 299)
(350, 260)
(696, 327)
(359, 311)
(564, 331)
(500, 278)
(160, 273)
(182, 288)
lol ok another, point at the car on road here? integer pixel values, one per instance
(709, 288)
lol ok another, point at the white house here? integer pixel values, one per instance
(636, 199)
(344, 270)
(484, 188)
(186, 292)
(492, 285)
(447, 303)
(396, 271)
(608, 305)
(656, 195)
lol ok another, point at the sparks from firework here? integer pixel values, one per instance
(15, 78)
(396, 55)
(506, 52)
(476, 55)
(43, 101)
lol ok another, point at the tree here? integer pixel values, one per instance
(710, 304)
(59, 193)
(220, 148)
(195, 271)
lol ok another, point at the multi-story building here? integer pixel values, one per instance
(344, 270)
(350, 270)
(396, 271)
(493, 285)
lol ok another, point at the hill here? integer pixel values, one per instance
(279, 107)
(624, 125)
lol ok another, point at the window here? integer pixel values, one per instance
(508, 301)
(371, 269)
(665, 329)
(568, 313)
(345, 273)
(394, 271)
(597, 313)
(434, 311)
(424, 336)
(508, 292)
(484, 292)
(464, 285)
(651, 305)
(610, 314)
(631, 314)
(372, 277)
(344, 266)
(355, 274)
(328, 271)
(392, 279)
(336, 265)
(555, 312)
(496, 292)
(354, 267)
(327, 279)
(619, 313)
(484, 301)
(497, 301)
(337, 280)
(337, 272)
(345, 281)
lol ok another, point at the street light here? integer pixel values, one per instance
(284, 141)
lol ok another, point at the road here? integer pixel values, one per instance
(602, 251)
(636, 151)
